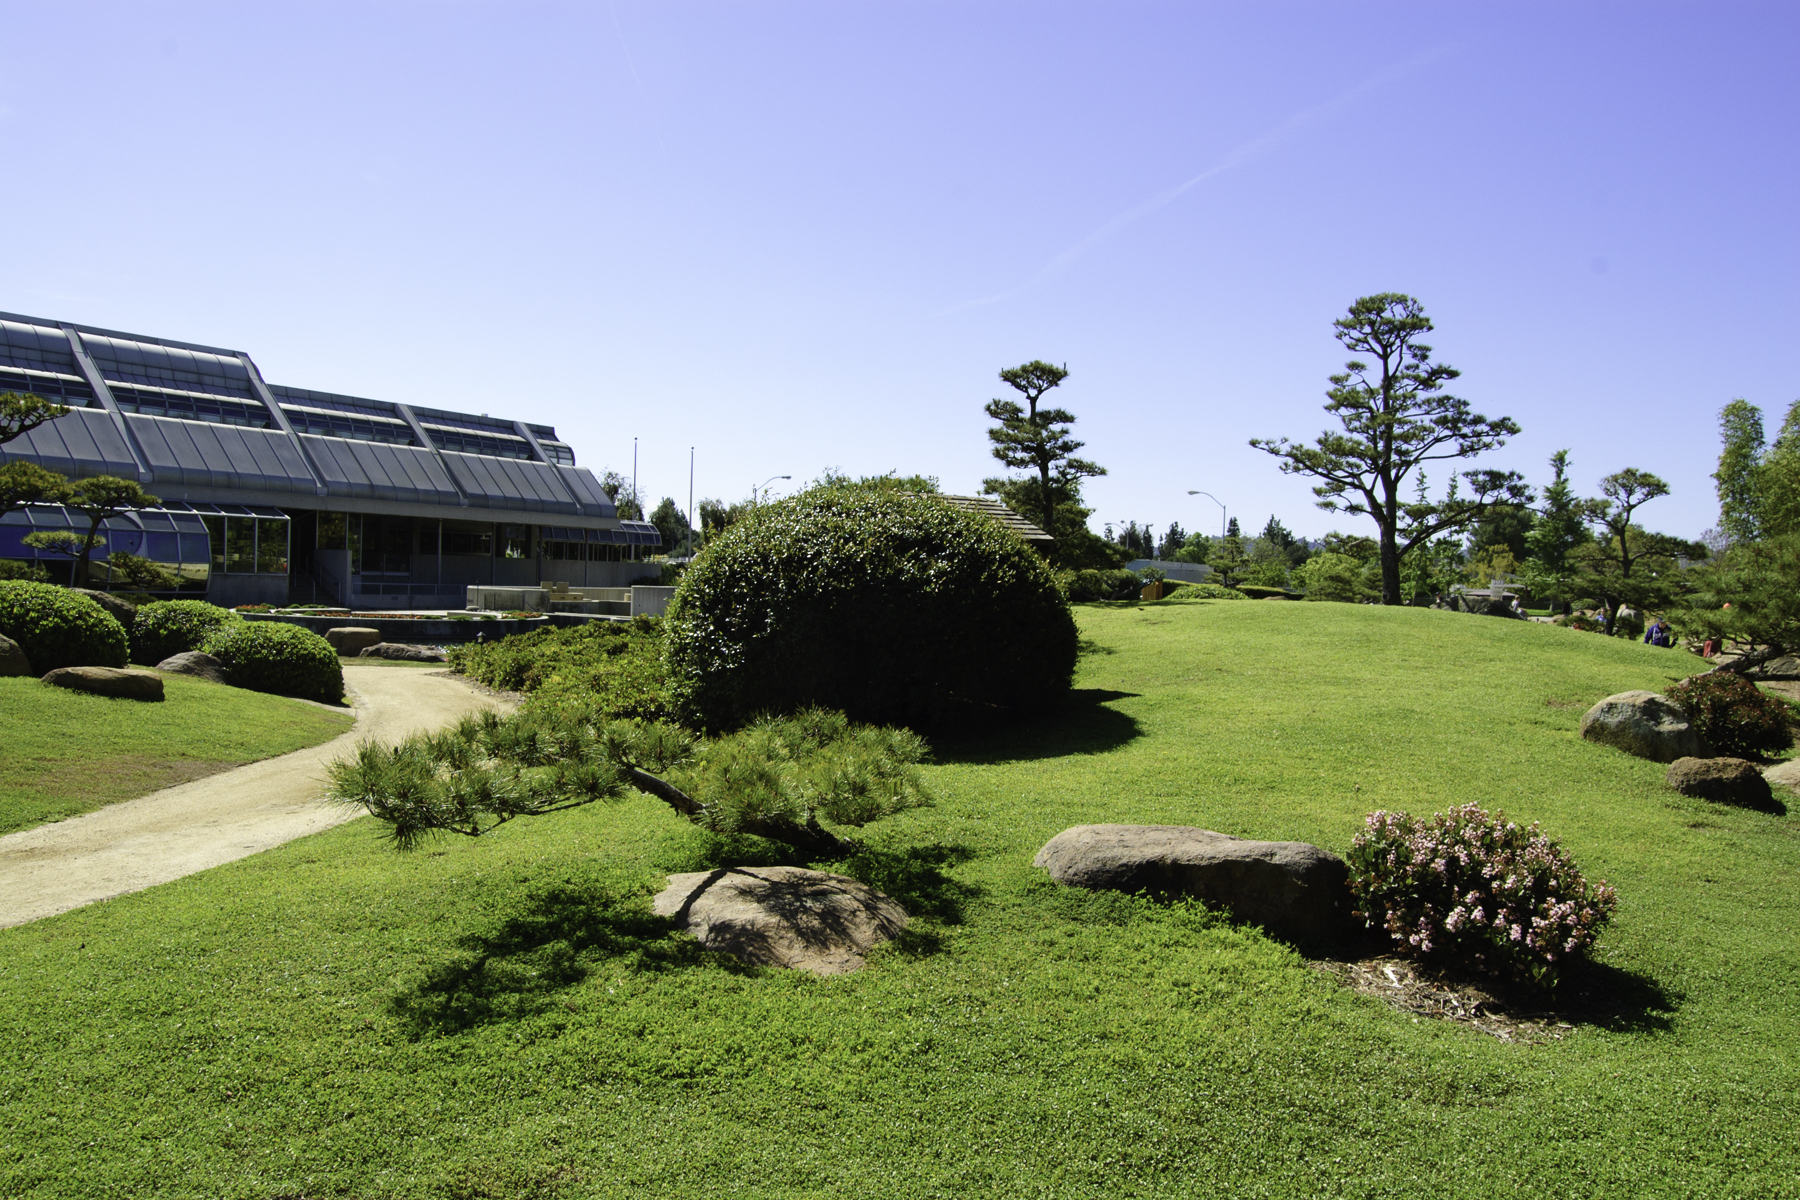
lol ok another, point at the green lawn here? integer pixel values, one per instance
(64, 752)
(503, 1017)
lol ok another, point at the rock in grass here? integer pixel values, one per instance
(195, 663)
(1292, 889)
(108, 681)
(12, 659)
(123, 610)
(1784, 775)
(403, 651)
(782, 916)
(1645, 724)
(1721, 780)
(351, 640)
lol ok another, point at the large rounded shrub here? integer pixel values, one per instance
(270, 656)
(1738, 718)
(166, 627)
(888, 606)
(59, 628)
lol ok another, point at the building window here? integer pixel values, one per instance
(70, 390)
(190, 406)
(515, 541)
(332, 531)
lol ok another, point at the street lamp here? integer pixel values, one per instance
(765, 483)
(1215, 500)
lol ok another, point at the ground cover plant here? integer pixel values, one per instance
(503, 1017)
(56, 627)
(609, 668)
(65, 752)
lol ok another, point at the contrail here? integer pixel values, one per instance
(1252, 149)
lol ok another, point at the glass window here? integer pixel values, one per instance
(515, 541)
(240, 545)
(332, 531)
(162, 547)
(271, 546)
(215, 535)
(194, 549)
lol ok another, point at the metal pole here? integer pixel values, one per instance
(690, 511)
(634, 495)
(1223, 523)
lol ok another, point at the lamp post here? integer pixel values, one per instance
(765, 483)
(1215, 500)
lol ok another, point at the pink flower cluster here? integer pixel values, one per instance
(1476, 890)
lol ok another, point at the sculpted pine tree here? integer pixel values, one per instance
(1395, 416)
(1038, 440)
(22, 412)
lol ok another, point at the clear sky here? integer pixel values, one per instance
(800, 236)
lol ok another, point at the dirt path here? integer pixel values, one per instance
(179, 830)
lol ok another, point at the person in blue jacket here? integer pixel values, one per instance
(1659, 634)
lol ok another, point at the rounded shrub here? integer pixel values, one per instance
(1738, 718)
(166, 627)
(1471, 890)
(56, 627)
(271, 656)
(891, 607)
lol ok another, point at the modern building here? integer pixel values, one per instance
(278, 494)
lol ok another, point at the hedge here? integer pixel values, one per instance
(166, 627)
(56, 627)
(271, 656)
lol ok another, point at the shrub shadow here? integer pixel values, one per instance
(555, 940)
(915, 877)
(1082, 725)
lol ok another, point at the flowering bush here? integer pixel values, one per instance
(1738, 718)
(1471, 890)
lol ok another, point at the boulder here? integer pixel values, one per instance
(782, 916)
(124, 610)
(351, 640)
(195, 663)
(1786, 668)
(108, 681)
(403, 651)
(1784, 775)
(1721, 780)
(12, 658)
(1645, 724)
(1292, 889)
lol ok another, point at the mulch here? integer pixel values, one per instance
(1415, 989)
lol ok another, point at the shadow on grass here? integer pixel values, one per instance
(1083, 725)
(554, 941)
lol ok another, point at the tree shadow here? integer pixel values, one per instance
(915, 877)
(1082, 725)
(555, 940)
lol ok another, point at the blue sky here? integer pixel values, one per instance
(800, 236)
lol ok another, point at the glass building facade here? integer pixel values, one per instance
(276, 493)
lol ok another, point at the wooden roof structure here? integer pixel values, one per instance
(988, 506)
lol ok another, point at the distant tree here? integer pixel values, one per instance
(1506, 529)
(1194, 549)
(1746, 598)
(1268, 564)
(619, 490)
(100, 498)
(672, 524)
(1362, 549)
(1232, 530)
(22, 412)
(1038, 440)
(1076, 547)
(1329, 576)
(1394, 419)
(1278, 534)
(716, 517)
(1740, 462)
(23, 483)
(1172, 541)
(1559, 531)
(1227, 560)
(1625, 564)
(1778, 480)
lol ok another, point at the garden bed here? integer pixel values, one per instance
(422, 628)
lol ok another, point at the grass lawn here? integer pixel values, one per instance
(503, 1017)
(64, 752)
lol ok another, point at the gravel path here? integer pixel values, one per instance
(179, 830)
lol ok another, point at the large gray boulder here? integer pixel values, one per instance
(124, 610)
(403, 651)
(1292, 889)
(351, 640)
(1645, 724)
(12, 658)
(108, 681)
(1784, 776)
(1721, 780)
(195, 663)
(782, 916)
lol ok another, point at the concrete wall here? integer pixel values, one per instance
(1178, 571)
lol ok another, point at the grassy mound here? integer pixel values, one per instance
(67, 752)
(504, 1017)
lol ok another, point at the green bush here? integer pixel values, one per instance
(1628, 625)
(1737, 717)
(1090, 585)
(611, 669)
(1258, 592)
(892, 607)
(14, 568)
(272, 656)
(1210, 591)
(166, 627)
(1336, 577)
(59, 628)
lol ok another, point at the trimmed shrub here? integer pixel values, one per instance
(272, 656)
(892, 607)
(1257, 592)
(1210, 591)
(59, 628)
(1738, 718)
(609, 669)
(1468, 890)
(1089, 585)
(13, 568)
(167, 627)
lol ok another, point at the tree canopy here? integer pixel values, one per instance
(22, 412)
(1036, 439)
(1395, 416)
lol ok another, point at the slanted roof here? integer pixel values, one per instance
(987, 506)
